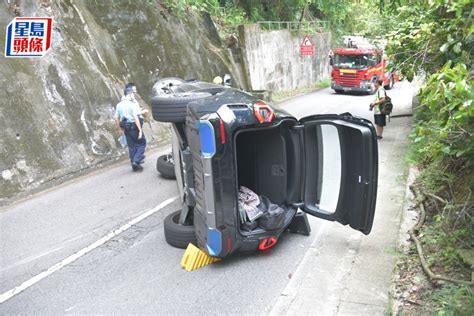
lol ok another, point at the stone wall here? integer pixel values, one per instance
(273, 61)
(56, 112)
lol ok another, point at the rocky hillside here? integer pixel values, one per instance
(56, 112)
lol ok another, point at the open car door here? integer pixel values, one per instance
(340, 169)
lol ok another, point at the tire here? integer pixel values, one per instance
(178, 235)
(338, 91)
(165, 166)
(172, 108)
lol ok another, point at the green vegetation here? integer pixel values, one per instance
(429, 34)
(445, 123)
(453, 300)
(343, 16)
(435, 39)
(226, 15)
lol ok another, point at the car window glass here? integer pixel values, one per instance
(323, 167)
(354, 61)
(331, 177)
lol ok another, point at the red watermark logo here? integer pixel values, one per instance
(28, 37)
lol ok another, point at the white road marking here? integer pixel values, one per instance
(29, 259)
(16, 290)
(70, 308)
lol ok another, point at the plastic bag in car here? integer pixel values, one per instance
(248, 205)
(273, 215)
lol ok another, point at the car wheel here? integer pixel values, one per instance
(166, 85)
(176, 234)
(165, 166)
(172, 107)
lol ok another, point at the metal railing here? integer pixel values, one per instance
(317, 26)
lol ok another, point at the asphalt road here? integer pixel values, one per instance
(49, 243)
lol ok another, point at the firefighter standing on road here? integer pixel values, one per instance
(379, 118)
(129, 120)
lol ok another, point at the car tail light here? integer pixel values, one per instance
(267, 243)
(207, 138)
(263, 112)
(221, 124)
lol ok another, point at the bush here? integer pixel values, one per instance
(445, 118)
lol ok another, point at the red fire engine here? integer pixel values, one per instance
(357, 66)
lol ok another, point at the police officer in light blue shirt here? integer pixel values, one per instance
(128, 118)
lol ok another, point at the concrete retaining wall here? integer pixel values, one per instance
(274, 62)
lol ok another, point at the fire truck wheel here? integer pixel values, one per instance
(178, 235)
(172, 108)
(339, 91)
(165, 166)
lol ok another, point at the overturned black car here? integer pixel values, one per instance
(244, 169)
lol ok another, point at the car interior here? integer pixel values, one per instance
(267, 163)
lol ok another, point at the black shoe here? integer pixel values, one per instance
(136, 167)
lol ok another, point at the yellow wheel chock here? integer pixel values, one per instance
(194, 258)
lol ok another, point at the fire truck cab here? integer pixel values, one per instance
(357, 66)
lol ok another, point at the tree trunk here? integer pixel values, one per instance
(301, 17)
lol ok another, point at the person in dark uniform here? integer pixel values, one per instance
(129, 120)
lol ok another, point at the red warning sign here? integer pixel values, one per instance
(307, 47)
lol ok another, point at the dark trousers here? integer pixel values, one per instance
(136, 147)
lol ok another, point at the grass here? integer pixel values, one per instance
(282, 95)
(453, 300)
(393, 251)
